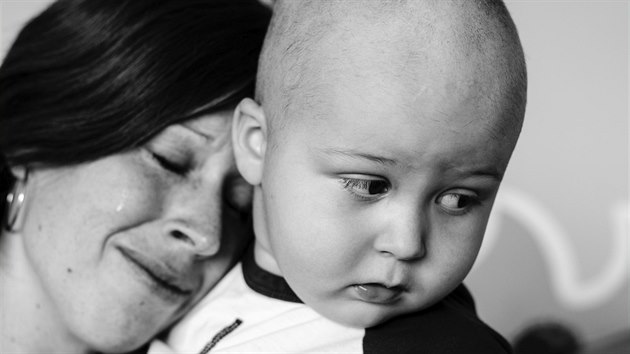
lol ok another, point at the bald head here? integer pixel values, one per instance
(396, 42)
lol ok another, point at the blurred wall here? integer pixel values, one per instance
(557, 245)
(13, 15)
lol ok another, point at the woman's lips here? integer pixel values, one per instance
(378, 293)
(167, 283)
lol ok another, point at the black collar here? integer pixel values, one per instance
(265, 283)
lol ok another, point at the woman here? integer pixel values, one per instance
(123, 204)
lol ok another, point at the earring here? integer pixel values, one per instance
(15, 203)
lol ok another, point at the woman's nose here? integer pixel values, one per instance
(194, 217)
(203, 241)
(404, 237)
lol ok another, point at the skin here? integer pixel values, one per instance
(90, 230)
(374, 184)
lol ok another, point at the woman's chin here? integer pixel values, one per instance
(125, 338)
(120, 327)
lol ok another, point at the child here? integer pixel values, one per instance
(384, 132)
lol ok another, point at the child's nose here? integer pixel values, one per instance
(404, 238)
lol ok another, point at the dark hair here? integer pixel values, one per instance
(90, 78)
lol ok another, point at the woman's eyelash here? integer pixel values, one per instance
(170, 165)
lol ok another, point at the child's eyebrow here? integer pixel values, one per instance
(360, 155)
(489, 173)
(486, 172)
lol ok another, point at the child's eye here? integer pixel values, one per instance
(457, 203)
(180, 168)
(365, 189)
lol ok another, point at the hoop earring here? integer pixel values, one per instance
(15, 202)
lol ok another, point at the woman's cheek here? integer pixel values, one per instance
(140, 194)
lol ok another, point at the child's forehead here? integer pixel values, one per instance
(389, 79)
(433, 102)
(422, 126)
(374, 105)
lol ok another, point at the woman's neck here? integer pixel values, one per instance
(30, 322)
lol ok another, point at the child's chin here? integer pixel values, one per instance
(370, 321)
(361, 315)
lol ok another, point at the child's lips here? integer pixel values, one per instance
(378, 293)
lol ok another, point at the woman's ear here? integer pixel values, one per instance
(19, 172)
(249, 138)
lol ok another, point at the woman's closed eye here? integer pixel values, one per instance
(365, 188)
(178, 166)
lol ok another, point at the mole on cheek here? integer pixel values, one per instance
(69, 270)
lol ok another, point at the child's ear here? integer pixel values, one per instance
(249, 137)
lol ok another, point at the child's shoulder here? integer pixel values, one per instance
(450, 326)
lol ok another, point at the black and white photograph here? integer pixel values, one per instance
(314, 176)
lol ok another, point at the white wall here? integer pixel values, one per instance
(13, 15)
(557, 247)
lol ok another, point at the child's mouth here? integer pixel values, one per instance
(378, 293)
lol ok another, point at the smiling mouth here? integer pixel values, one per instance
(378, 293)
(158, 277)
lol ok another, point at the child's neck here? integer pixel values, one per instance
(265, 259)
(263, 255)
(29, 322)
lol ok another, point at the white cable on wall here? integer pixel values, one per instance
(571, 289)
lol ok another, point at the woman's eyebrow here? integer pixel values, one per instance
(209, 131)
(199, 133)
(196, 133)
(181, 131)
